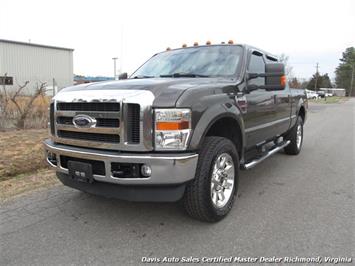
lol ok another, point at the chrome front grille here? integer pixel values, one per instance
(120, 124)
(106, 132)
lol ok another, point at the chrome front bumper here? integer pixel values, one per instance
(167, 169)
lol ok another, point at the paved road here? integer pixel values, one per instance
(287, 206)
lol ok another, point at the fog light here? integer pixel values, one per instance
(146, 170)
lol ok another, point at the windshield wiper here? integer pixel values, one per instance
(184, 75)
(142, 77)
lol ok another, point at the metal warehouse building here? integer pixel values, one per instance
(36, 63)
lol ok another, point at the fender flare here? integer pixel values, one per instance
(295, 113)
(209, 117)
(302, 104)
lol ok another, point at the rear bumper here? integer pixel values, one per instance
(167, 169)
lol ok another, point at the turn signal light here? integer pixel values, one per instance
(172, 125)
(283, 80)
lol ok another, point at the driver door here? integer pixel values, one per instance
(261, 110)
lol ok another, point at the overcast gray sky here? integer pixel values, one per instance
(305, 30)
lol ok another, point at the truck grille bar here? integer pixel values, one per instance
(89, 136)
(133, 112)
(77, 106)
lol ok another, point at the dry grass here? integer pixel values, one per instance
(37, 116)
(25, 183)
(22, 165)
(328, 100)
(41, 102)
(21, 152)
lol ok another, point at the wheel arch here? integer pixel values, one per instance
(302, 112)
(223, 123)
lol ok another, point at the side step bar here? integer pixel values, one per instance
(251, 164)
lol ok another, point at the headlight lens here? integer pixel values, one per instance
(172, 129)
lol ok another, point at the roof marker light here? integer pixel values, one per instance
(184, 45)
(208, 43)
(195, 43)
(168, 48)
(230, 42)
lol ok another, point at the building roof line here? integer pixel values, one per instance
(36, 45)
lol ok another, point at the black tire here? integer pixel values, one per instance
(198, 194)
(293, 148)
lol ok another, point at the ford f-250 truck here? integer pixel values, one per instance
(180, 127)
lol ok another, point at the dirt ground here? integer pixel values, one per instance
(22, 166)
(23, 183)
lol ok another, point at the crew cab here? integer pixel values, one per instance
(181, 127)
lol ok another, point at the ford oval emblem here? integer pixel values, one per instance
(84, 121)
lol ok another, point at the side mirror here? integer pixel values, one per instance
(123, 76)
(275, 78)
(274, 75)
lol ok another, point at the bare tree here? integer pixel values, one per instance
(23, 109)
(284, 59)
(4, 100)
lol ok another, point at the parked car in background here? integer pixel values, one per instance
(311, 94)
(321, 94)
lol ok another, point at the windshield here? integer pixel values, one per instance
(203, 61)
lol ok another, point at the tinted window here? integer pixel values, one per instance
(256, 65)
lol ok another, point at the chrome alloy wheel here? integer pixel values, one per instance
(222, 180)
(299, 136)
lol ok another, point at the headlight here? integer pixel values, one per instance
(172, 129)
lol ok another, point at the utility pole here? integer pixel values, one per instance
(316, 81)
(352, 80)
(114, 67)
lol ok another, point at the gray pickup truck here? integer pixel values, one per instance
(179, 128)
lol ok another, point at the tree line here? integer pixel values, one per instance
(344, 75)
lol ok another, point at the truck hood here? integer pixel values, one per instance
(165, 90)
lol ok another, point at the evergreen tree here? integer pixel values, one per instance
(323, 81)
(345, 69)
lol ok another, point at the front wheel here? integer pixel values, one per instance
(210, 196)
(296, 138)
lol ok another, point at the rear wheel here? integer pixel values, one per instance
(210, 196)
(296, 138)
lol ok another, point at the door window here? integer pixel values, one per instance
(257, 65)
